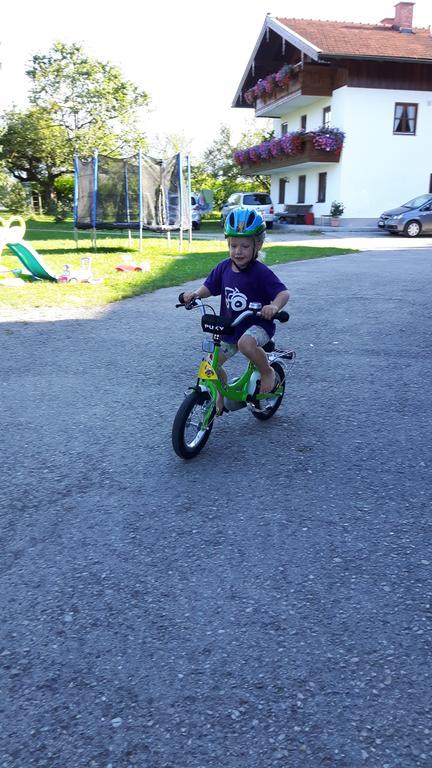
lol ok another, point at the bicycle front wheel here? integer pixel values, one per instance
(192, 425)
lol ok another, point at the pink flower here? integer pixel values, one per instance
(264, 150)
(240, 156)
(275, 147)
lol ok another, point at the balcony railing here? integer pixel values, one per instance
(313, 147)
(311, 80)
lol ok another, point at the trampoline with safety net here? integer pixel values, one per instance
(134, 193)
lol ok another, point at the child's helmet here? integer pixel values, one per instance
(244, 222)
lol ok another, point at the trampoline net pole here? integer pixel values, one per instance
(140, 199)
(95, 189)
(75, 203)
(126, 180)
(189, 197)
(180, 186)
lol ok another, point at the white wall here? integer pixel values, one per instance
(314, 114)
(377, 170)
(380, 170)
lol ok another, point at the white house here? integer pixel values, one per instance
(372, 82)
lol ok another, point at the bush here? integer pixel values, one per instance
(336, 209)
(64, 189)
(61, 210)
(13, 196)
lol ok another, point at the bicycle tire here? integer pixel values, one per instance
(263, 414)
(188, 446)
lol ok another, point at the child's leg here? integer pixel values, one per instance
(226, 351)
(249, 346)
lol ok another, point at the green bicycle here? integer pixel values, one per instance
(194, 420)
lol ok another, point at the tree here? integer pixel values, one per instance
(167, 145)
(218, 171)
(13, 196)
(35, 149)
(88, 99)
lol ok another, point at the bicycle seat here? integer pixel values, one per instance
(269, 347)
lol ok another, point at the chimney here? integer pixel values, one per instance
(403, 16)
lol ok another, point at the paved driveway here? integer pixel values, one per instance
(268, 604)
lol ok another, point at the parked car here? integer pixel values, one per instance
(261, 201)
(196, 212)
(410, 219)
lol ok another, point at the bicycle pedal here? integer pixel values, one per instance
(286, 354)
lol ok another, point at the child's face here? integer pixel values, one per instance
(242, 251)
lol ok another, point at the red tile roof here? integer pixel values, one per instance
(346, 38)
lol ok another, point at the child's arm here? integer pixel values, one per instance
(270, 310)
(202, 293)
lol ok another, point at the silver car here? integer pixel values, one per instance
(261, 201)
(410, 219)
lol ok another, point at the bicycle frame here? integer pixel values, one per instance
(238, 390)
(193, 422)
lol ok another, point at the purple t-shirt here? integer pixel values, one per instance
(257, 283)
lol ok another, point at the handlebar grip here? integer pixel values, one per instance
(182, 303)
(282, 316)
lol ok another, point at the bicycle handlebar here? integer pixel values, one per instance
(282, 316)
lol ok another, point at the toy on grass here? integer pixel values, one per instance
(82, 275)
(128, 266)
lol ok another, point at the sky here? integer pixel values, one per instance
(189, 57)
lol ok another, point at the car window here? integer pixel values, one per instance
(417, 202)
(256, 199)
(234, 200)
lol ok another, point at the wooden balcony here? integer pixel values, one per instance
(308, 156)
(312, 82)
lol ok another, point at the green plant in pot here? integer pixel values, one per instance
(336, 211)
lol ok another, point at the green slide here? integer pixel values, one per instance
(31, 260)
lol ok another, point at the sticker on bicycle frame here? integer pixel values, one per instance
(206, 371)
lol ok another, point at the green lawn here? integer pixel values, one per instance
(164, 265)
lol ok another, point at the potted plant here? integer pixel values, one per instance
(336, 210)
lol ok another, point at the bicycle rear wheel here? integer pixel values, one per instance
(268, 408)
(189, 433)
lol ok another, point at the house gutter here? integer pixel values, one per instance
(364, 57)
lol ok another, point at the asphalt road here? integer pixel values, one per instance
(266, 605)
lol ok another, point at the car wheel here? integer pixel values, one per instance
(412, 229)
(269, 225)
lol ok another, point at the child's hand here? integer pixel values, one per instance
(188, 296)
(268, 311)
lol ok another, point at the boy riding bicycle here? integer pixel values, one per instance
(240, 280)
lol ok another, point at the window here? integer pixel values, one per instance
(282, 185)
(326, 117)
(322, 183)
(256, 198)
(430, 184)
(303, 121)
(405, 118)
(284, 129)
(301, 189)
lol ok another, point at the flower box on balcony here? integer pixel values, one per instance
(322, 146)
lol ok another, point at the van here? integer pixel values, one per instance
(261, 201)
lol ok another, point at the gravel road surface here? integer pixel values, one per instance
(266, 605)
